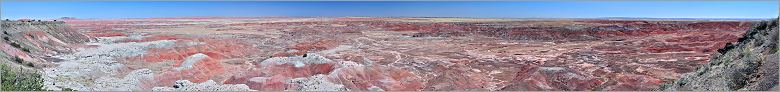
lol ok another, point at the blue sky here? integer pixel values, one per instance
(501, 9)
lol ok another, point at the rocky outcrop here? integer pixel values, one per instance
(750, 64)
(210, 85)
(316, 83)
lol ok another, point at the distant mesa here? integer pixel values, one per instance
(34, 20)
(66, 18)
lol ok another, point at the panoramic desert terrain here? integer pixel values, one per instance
(366, 54)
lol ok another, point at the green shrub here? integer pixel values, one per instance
(68, 89)
(17, 80)
(16, 45)
(26, 50)
(18, 60)
(30, 64)
(664, 85)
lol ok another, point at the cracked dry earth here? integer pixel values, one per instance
(385, 54)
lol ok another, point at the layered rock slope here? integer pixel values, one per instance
(27, 46)
(31, 43)
(750, 64)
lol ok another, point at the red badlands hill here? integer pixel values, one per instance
(394, 54)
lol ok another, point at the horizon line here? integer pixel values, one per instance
(406, 17)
